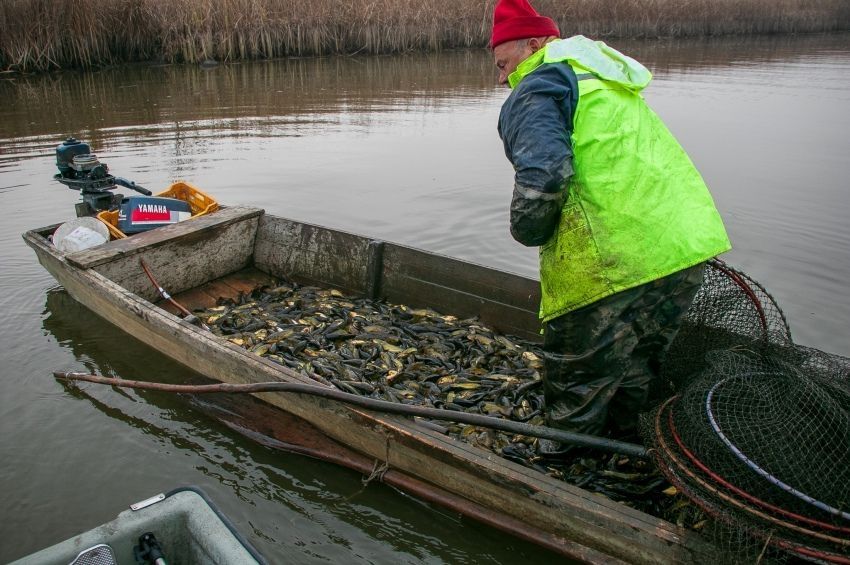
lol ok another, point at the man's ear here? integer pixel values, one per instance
(534, 44)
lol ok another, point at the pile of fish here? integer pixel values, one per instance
(419, 356)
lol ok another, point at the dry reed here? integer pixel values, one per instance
(45, 34)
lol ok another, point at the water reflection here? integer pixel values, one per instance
(667, 56)
(140, 100)
(145, 103)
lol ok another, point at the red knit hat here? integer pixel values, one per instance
(516, 19)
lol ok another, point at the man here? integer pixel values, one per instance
(623, 219)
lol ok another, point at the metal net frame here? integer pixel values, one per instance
(754, 429)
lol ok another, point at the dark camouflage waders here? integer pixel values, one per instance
(600, 359)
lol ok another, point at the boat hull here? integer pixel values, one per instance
(109, 281)
(189, 528)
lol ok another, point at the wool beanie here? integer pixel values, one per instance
(516, 19)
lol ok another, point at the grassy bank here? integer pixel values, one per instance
(46, 34)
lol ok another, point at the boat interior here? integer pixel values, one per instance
(236, 249)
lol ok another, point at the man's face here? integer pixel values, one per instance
(509, 54)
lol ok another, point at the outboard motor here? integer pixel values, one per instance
(80, 169)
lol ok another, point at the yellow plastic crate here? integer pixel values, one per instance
(200, 203)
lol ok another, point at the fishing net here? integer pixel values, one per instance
(756, 431)
(730, 312)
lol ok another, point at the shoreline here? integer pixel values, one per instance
(66, 36)
(669, 51)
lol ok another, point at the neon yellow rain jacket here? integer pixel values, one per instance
(633, 208)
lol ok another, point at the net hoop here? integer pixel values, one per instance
(752, 464)
(769, 537)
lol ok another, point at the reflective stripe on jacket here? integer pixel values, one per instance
(637, 208)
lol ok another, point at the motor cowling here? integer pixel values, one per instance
(66, 151)
(141, 213)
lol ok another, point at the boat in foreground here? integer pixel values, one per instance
(182, 526)
(236, 248)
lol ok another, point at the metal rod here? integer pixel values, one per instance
(571, 438)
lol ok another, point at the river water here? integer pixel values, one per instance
(402, 148)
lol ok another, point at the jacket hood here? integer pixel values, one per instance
(599, 59)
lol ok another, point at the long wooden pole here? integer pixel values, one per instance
(570, 438)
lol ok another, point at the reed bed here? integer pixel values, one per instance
(46, 34)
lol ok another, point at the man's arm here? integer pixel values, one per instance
(535, 126)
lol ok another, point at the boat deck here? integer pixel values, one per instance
(208, 294)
